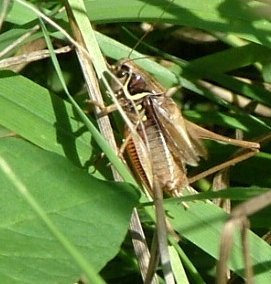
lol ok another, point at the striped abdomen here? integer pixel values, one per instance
(171, 176)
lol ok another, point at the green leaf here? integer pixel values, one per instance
(230, 59)
(19, 15)
(233, 193)
(42, 118)
(235, 17)
(94, 216)
(202, 225)
(244, 122)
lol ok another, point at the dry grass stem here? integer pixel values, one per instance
(235, 99)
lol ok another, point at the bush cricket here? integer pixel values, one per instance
(171, 142)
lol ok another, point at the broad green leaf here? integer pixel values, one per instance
(42, 118)
(94, 215)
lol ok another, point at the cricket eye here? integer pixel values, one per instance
(137, 84)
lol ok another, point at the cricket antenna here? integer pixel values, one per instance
(150, 28)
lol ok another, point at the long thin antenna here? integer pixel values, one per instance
(150, 29)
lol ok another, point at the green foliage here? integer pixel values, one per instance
(82, 207)
(57, 158)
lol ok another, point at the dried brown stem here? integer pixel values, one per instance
(30, 57)
(232, 98)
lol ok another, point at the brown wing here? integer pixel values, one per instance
(185, 148)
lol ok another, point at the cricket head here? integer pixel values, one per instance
(130, 78)
(134, 81)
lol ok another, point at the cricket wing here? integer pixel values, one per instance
(185, 148)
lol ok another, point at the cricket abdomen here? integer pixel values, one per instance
(157, 160)
(171, 176)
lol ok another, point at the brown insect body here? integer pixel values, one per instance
(162, 130)
(169, 174)
(164, 142)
